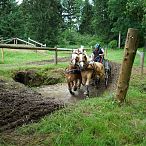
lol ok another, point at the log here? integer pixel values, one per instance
(126, 67)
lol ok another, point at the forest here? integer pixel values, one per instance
(73, 22)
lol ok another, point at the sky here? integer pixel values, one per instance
(19, 1)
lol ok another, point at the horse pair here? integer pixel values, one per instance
(87, 70)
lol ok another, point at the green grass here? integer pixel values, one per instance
(21, 60)
(95, 121)
(117, 56)
(24, 56)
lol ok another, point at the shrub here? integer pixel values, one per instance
(112, 44)
(74, 38)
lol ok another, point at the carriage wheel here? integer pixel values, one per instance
(106, 79)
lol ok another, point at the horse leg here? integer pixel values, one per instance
(70, 88)
(87, 84)
(75, 85)
(87, 90)
(97, 81)
(80, 82)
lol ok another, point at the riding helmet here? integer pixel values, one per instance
(97, 46)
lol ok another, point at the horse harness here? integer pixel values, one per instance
(73, 71)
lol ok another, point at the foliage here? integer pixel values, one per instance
(86, 19)
(129, 14)
(71, 13)
(49, 21)
(112, 44)
(43, 24)
(9, 14)
(101, 21)
(68, 38)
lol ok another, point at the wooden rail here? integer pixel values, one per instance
(23, 41)
(38, 43)
(14, 46)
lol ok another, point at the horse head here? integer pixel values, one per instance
(75, 58)
(83, 60)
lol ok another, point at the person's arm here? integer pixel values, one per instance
(101, 52)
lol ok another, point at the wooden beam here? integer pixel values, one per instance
(14, 46)
(27, 47)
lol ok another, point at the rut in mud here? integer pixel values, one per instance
(20, 105)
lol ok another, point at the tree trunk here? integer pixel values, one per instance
(126, 67)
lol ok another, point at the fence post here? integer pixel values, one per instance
(142, 62)
(55, 59)
(2, 51)
(126, 67)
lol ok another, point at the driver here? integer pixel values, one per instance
(98, 54)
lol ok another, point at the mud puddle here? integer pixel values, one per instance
(59, 92)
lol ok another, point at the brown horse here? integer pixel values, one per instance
(89, 70)
(73, 76)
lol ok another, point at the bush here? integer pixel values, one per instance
(73, 38)
(112, 44)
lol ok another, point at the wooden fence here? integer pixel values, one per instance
(36, 42)
(14, 46)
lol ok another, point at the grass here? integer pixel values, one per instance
(22, 60)
(95, 121)
(92, 122)
(117, 56)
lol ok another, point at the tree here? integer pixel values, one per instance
(129, 13)
(10, 25)
(43, 20)
(86, 19)
(101, 21)
(135, 14)
(71, 13)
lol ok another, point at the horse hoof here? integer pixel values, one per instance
(72, 93)
(86, 94)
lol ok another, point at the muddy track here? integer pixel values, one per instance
(20, 105)
(59, 92)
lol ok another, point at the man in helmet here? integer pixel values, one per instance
(98, 54)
